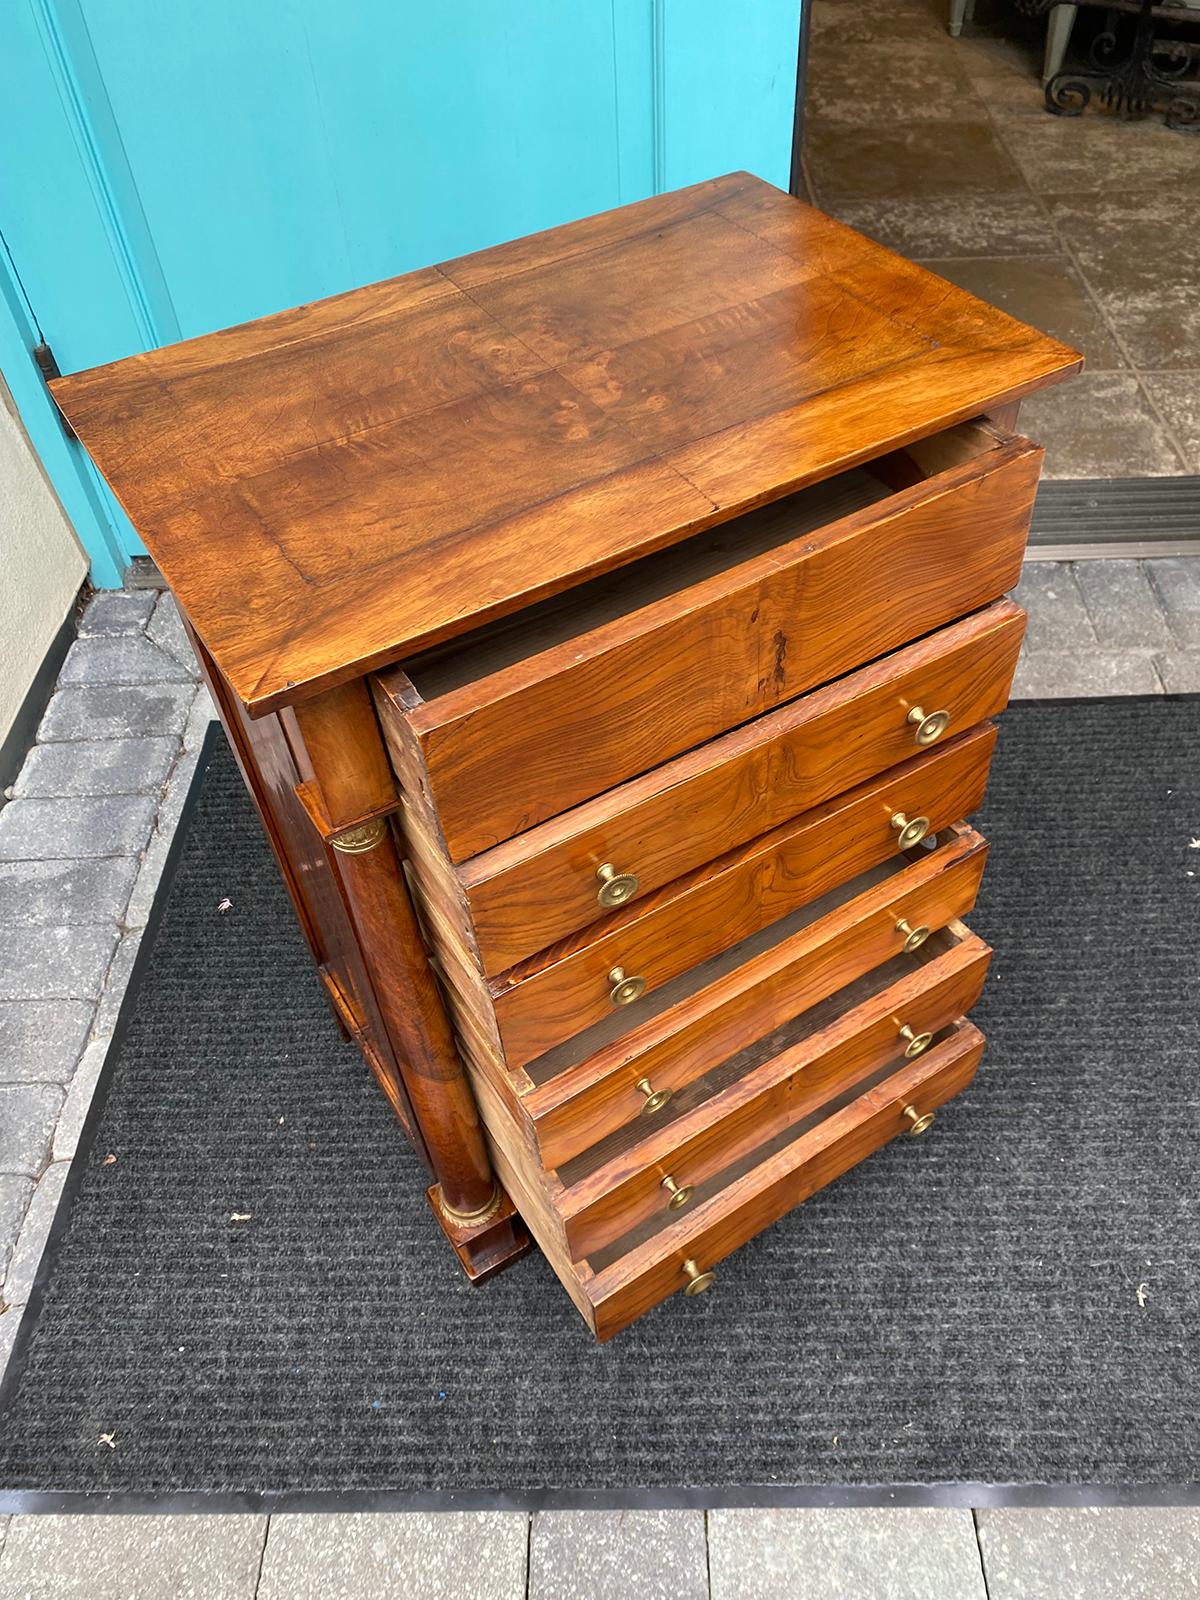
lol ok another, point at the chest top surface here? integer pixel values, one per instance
(333, 487)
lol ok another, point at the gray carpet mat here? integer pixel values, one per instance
(1012, 1299)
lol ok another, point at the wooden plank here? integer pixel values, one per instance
(565, 989)
(534, 889)
(397, 466)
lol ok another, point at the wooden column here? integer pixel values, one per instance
(357, 792)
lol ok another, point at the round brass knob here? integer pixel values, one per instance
(917, 1044)
(615, 887)
(698, 1281)
(911, 831)
(929, 726)
(920, 1124)
(680, 1194)
(656, 1099)
(914, 938)
(624, 990)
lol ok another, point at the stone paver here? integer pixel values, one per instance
(844, 1555)
(28, 1112)
(1123, 607)
(1056, 676)
(41, 1041)
(114, 611)
(137, 912)
(78, 1101)
(117, 711)
(1058, 618)
(132, 1558)
(440, 1555)
(131, 658)
(97, 766)
(86, 825)
(31, 1241)
(1180, 673)
(1176, 582)
(113, 997)
(618, 1555)
(1095, 1553)
(63, 893)
(15, 1192)
(200, 718)
(54, 963)
(166, 631)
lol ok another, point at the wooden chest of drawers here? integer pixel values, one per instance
(609, 626)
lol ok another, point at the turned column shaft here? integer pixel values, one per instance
(350, 766)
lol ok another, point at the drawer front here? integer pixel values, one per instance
(533, 890)
(777, 1092)
(540, 1004)
(631, 1285)
(507, 751)
(589, 1099)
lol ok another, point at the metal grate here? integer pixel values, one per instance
(1096, 517)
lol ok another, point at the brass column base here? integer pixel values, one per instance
(488, 1244)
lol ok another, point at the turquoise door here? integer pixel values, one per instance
(171, 168)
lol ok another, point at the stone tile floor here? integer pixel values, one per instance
(1084, 227)
(83, 839)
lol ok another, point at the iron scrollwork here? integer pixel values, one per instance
(1152, 72)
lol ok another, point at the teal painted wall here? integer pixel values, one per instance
(173, 168)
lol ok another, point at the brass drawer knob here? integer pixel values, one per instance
(929, 725)
(680, 1194)
(697, 1281)
(914, 938)
(917, 1043)
(919, 1124)
(624, 990)
(615, 887)
(656, 1099)
(911, 830)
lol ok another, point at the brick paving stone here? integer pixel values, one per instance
(54, 963)
(1091, 1553)
(200, 718)
(438, 1555)
(1179, 672)
(117, 711)
(166, 630)
(1123, 607)
(1058, 618)
(137, 912)
(41, 1041)
(114, 611)
(79, 1098)
(844, 1555)
(97, 767)
(1176, 581)
(130, 658)
(116, 984)
(56, 830)
(1056, 676)
(14, 1202)
(60, 893)
(10, 1321)
(27, 1115)
(132, 1558)
(618, 1555)
(31, 1241)
(177, 791)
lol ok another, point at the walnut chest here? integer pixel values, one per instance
(609, 627)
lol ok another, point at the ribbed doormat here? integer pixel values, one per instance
(1014, 1299)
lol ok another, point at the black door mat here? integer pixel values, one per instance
(1011, 1300)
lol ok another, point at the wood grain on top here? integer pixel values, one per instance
(334, 487)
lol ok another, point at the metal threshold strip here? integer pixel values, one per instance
(1078, 519)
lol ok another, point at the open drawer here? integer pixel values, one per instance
(777, 1176)
(640, 1178)
(547, 1000)
(612, 1076)
(518, 722)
